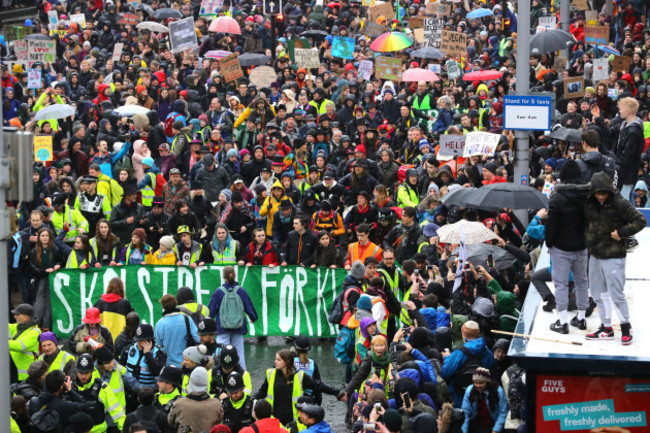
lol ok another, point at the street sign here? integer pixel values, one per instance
(529, 113)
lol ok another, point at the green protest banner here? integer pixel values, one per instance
(289, 300)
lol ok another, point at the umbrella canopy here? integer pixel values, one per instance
(225, 25)
(314, 34)
(458, 197)
(248, 59)
(477, 254)
(419, 74)
(391, 41)
(145, 7)
(479, 13)
(428, 53)
(507, 195)
(165, 13)
(608, 50)
(153, 26)
(37, 37)
(489, 74)
(130, 110)
(551, 40)
(216, 54)
(475, 233)
(53, 112)
(566, 134)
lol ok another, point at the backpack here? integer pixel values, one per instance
(189, 339)
(344, 346)
(341, 305)
(44, 420)
(169, 122)
(231, 311)
(196, 316)
(160, 182)
(463, 376)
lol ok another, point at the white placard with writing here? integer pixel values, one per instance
(450, 146)
(480, 143)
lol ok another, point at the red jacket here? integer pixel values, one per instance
(266, 425)
(263, 256)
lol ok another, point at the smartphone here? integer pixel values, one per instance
(369, 426)
(429, 267)
(490, 261)
(377, 406)
(416, 272)
(406, 398)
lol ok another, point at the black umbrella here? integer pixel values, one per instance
(165, 13)
(477, 254)
(145, 7)
(428, 53)
(551, 40)
(37, 37)
(248, 59)
(314, 34)
(567, 134)
(458, 197)
(507, 195)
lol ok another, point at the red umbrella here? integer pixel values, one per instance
(419, 74)
(482, 75)
(225, 25)
(333, 4)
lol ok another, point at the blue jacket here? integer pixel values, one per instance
(455, 361)
(536, 229)
(321, 427)
(428, 372)
(444, 120)
(435, 317)
(498, 415)
(170, 333)
(215, 304)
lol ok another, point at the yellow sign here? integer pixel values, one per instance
(43, 148)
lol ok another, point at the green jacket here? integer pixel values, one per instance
(506, 306)
(39, 104)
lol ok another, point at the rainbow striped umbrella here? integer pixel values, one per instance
(392, 41)
(216, 54)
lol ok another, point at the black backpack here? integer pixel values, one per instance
(196, 316)
(463, 377)
(45, 419)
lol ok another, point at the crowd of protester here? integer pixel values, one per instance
(319, 169)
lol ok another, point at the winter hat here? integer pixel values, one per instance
(37, 369)
(491, 167)
(237, 197)
(364, 303)
(184, 295)
(81, 422)
(392, 420)
(423, 423)
(208, 159)
(103, 355)
(551, 162)
(227, 193)
(204, 118)
(221, 428)
(167, 242)
(435, 188)
(195, 353)
(231, 153)
(259, 189)
(148, 161)
(198, 380)
(358, 270)
(140, 88)
(482, 374)
(408, 385)
(47, 336)
(483, 307)
(423, 142)
(140, 233)
(570, 172)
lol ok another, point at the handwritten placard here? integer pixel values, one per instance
(182, 35)
(549, 21)
(432, 32)
(453, 71)
(20, 50)
(574, 87)
(388, 68)
(306, 57)
(263, 76)
(230, 68)
(34, 78)
(343, 47)
(43, 148)
(599, 69)
(621, 64)
(372, 30)
(591, 17)
(480, 143)
(365, 69)
(41, 51)
(128, 18)
(451, 145)
(597, 35)
(385, 10)
(117, 51)
(453, 43)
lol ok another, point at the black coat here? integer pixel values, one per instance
(566, 221)
(628, 152)
(67, 407)
(119, 214)
(151, 417)
(300, 250)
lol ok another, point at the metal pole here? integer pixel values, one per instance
(523, 85)
(565, 12)
(4, 295)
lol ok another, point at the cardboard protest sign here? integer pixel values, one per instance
(418, 34)
(128, 18)
(182, 35)
(599, 69)
(372, 30)
(209, 8)
(388, 68)
(53, 18)
(574, 87)
(443, 10)
(41, 51)
(230, 68)
(453, 71)
(549, 21)
(306, 58)
(294, 44)
(262, 76)
(450, 146)
(385, 10)
(20, 50)
(432, 32)
(597, 35)
(453, 43)
(416, 23)
(343, 47)
(621, 64)
(581, 5)
(60, 33)
(365, 69)
(480, 143)
(43, 151)
(79, 19)
(34, 78)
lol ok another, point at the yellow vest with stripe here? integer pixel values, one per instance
(228, 256)
(112, 406)
(392, 282)
(403, 312)
(23, 348)
(95, 246)
(116, 383)
(426, 103)
(148, 192)
(60, 361)
(73, 262)
(295, 394)
(322, 109)
(186, 382)
(194, 250)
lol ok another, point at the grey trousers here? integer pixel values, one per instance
(564, 262)
(608, 275)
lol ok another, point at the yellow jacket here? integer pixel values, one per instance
(275, 206)
(158, 259)
(75, 221)
(110, 188)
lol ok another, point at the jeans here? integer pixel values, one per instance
(237, 340)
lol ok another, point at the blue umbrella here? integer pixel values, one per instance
(609, 50)
(479, 13)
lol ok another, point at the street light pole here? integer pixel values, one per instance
(565, 11)
(523, 85)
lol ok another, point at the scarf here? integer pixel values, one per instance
(381, 361)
